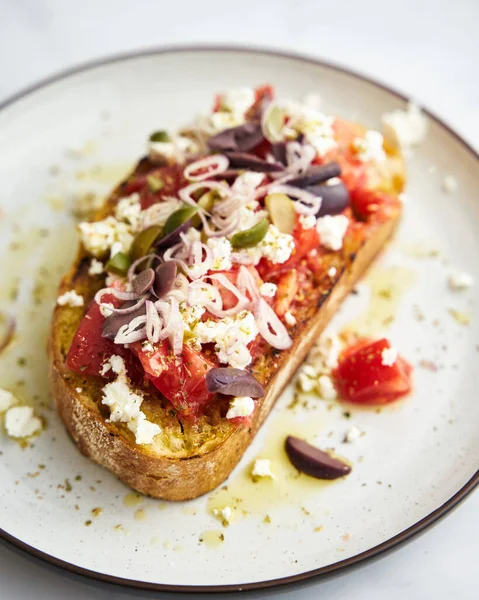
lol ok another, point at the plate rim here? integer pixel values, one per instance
(336, 567)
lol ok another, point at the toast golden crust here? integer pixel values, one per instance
(212, 449)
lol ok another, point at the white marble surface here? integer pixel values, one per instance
(426, 48)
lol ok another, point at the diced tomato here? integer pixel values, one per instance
(264, 92)
(362, 377)
(369, 203)
(305, 240)
(181, 379)
(173, 179)
(229, 299)
(89, 349)
(287, 289)
(262, 149)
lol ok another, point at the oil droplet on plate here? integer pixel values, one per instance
(212, 538)
(133, 499)
(140, 514)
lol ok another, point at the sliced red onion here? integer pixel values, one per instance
(247, 284)
(308, 203)
(177, 327)
(316, 174)
(242, 303)
(185, 193)
(121, 296)
(233, 382)
(205, 294)
(113, 323)
(335, 198)
(242, 258)
(213, 165)
(237, 139)
(243, 160)
(270, 327)
(143, 282)
(134, 331)
(153, 323)
(164, 278)
(224, 227)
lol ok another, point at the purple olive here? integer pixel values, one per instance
(143, 281)
(242, 138)
(112, 324)
(316, 174)
(233, 382)
(174, 237)
(335, 198)
(243, 160)
(165, 275)
(313, 461)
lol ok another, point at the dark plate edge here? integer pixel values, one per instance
(389, 544)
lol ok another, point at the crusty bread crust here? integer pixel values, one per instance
(200, 465)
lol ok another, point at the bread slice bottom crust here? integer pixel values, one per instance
(186, 477)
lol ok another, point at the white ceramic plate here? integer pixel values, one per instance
(416, 459)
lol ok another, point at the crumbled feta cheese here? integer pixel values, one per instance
(247, 182)
(125, 406)
(316, 127)
(78, 390)
(268, 289)
(307, 378)
(332, 230)
(20, 422)
(238, 101)
(224, 514)
(324, 355)
(221, 249)
(405, 128)
(191, 314)
(112, 278)
(70, 298)
(158, 213)
(7, 399)
(332, 272)
(289, 318)
(249, 216)
(276, 246)
(262, 468)
(129, 210)
(326, 387)
(460, 281)
(352, 435)
(242, 406)
(147, 346)
(389, 356)
(231, 337)
(307, 221)
(116, 364)
(100, 236)
(106, 309)
(370, 147)
(174, 151)
(96, 267)
(449, 184)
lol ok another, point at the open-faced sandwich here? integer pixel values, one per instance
(202, 283)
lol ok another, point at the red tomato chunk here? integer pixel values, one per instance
(362, 377)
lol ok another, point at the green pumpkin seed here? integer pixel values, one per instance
(250, 237)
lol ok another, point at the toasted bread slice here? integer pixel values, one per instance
(189, 459)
